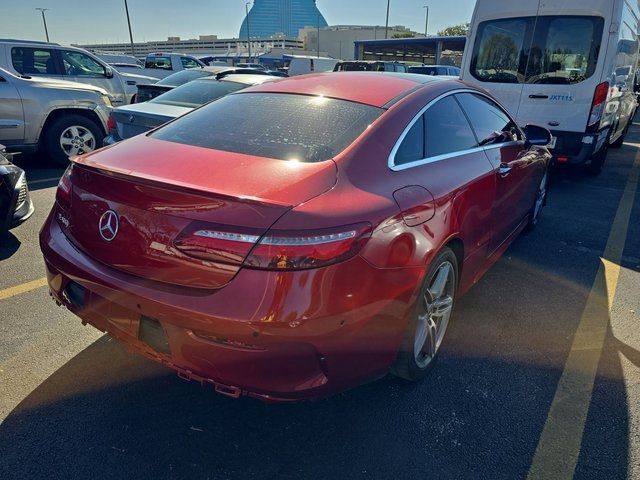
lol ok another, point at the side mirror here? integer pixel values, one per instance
(536, 135)
(108, 72)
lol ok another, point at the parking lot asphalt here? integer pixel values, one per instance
(539, 375)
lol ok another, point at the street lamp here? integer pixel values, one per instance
(386, 25)
(44, 20)
(426, 22)
(126, 8)
(246, 8)
(318, 35)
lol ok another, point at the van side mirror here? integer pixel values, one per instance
(108, 72)
(536, 135)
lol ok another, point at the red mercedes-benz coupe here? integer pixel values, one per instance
(300, 237)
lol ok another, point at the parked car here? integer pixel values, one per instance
(131, 120)
(151, 91)
(299, 237)
(161, 65)
(443, 70)
(370, 66)
(300, 65)
(15, 201)
(555, 63)
(63, 118)
(114, 59)
(51, 60)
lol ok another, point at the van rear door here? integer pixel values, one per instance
(564, 65)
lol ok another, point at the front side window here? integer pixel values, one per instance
(188, 62)
(273, 125)
(490, 123)
(198, 92)
(564, 50)
(81, 65)
(34, 61)
(497, 55)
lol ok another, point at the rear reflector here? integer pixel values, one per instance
(562, 159)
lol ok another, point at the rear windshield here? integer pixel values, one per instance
(280, 126)
(198, 92)
(360, 67)
(559, 50)
(183, 77)
(163, 63)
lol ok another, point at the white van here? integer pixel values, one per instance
(300, 65)
(570, 65)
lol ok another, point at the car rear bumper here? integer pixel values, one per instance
(273, 335)
(576, 148)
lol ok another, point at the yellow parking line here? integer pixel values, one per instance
(559, 446)
(22, 288)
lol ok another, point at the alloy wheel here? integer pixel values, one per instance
(434, 315)
(541, 198)
(76, 140)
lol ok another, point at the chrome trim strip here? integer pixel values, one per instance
(437, 158)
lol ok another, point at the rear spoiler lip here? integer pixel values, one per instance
(161, 182)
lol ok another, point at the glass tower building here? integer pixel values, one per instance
(268, 17)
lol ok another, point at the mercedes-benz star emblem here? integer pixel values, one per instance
(108, 225)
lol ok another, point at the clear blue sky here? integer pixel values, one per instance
(96, 21)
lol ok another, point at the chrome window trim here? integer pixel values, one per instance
(391, 160)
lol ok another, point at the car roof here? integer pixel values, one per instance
(370, 88)
(246, 78)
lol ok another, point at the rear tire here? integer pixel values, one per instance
(429, 318)
(71, 134)
(618, 143)
(598, 159)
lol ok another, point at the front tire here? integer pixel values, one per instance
(71, 135)
(429, 319)
(538, 203)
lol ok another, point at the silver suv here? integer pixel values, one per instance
(63, 118)
(42, 59)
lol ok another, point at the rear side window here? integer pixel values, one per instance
(280, 126)
(163, 63)
(490, 123)
(559, 50)
(447, 129)
(412, 147)
(34, 61)
(198, 92)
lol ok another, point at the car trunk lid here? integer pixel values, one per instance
(157, 190)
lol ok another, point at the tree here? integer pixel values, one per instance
(455, 30)
(403, 35)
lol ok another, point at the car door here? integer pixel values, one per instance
(441, 164)
(11, 113)
(515, 169)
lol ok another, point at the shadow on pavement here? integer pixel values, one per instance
(9, 245)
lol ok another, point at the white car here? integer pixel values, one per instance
(42, 59)
(556, 63)
(161, 65)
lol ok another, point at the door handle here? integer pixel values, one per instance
(539, 96)
(504, 170)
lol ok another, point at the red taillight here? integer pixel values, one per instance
(65, 187)
(597, 106)
(299, 250)
(111, 123)
(276, 250)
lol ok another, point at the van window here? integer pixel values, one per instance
(564, 50)
(497, 55)
(34, 61)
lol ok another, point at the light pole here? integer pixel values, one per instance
(126, 8)
(426, 22)
(246, 8)
(318, 35)
(44, 20)
(386, 25)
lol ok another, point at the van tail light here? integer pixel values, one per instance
(65, 188)
(111, 123)
(597, 107)
(277, 249)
